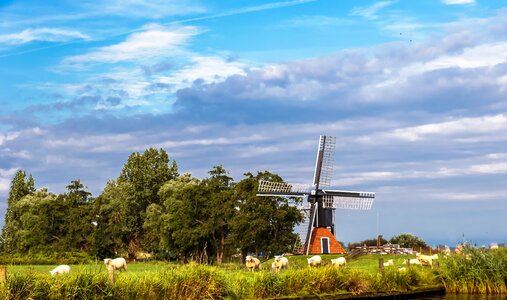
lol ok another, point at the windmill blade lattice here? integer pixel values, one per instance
(269, 188)
(352, 203)
(325, 161)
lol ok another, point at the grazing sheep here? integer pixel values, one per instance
(340, 261)
(426, 260)
(116, 264)
(412, 261)
(279, 263)
(314, 261)
(61, 269)
(252, 263)
(389, 263)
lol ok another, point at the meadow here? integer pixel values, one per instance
(472, 272)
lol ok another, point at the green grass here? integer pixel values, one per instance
(160, 280)
(475, 272)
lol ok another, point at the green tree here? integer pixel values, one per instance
(78, 217)
(220, 209)
(183, 222)
(368, 242)
(112, 233)
(36, 213)
(408, 240)
(262, 224)
(122, 206)
(20, 187)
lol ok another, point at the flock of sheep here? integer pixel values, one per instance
(282, 262)
(111, 264)
(253, 263)
(421, 260)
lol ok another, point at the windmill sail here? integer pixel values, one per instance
(269, 188)
(325, 162)
(348, 199)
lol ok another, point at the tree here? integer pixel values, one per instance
(20, 187)
(221, 209)
(122, 206)
(36, 213)
(408, 240)
(368, 242)
(78, 218)
(112, 232)
(184, 217)
(262, 224)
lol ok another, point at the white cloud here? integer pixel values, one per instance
(5, 179)
(423, 172)
(370, 12)
(450, 2)
(486, 124)
(10, 136)
(208, 68)
(485, 55)
(42, 34)
(152, 42)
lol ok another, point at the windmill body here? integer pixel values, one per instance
(321, 203)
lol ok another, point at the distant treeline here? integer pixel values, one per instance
(150, 207)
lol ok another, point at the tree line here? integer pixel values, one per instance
(151, 208)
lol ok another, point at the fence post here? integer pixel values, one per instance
(110, 272)
(3, 273)
(381, 265)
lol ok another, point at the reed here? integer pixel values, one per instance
(475, 272)
(194, 281)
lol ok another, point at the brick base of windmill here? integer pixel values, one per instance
(317, 242)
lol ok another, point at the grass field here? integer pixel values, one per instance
(162, 280)
(367, 263)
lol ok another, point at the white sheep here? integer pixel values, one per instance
(116, 264)
(389, 263)
(340, 261)
(412, 261)
(426, 259)
(314, 261)
(252, 263)
(402, 269)
(61, 269)
(279, 263)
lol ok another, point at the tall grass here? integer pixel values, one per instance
(187, 282)
(193, 281)
(475, 272)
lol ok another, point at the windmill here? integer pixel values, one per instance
(321, 203)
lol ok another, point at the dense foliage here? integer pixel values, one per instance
(150, 207)
(408, 240)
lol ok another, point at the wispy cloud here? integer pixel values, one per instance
(154, 41)
(41, 34)
(370, 12)
(450, 2)
(480, 125)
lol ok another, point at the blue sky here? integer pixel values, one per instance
(414, 91)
